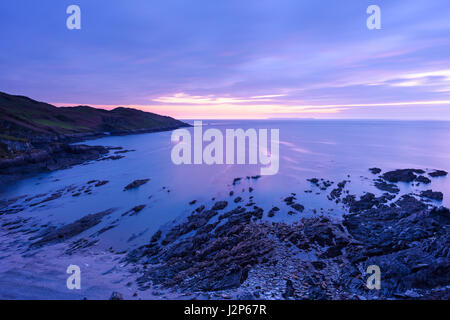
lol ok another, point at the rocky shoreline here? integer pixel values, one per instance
(233, 249)
(238, 254)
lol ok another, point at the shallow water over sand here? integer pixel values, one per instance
(329, 149)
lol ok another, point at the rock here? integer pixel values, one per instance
(111, 158)
(314, 181)
(438, 173)
(289, 200)
(82, 243)
(219, 205)
(116, 296)
(52, 156)
(366, 202)
(412, 294)
(326, 184)
(236, 180)
(402, 175)
(375, 170)
(52, 197)
(336, 193)
(123, 151)
(246, 296)
(423, 179)
(209, 251)
(389, 229)
(103, 230)
(212, 257)
(136, 184)
(430, 194)
(289, 291)
(193, 202)
(389, 187)
(72, 229)
(272, 212)
(101, 183)
(319, 265)
(298, 207)
(156, 236)
(135, 210)
(200, 209)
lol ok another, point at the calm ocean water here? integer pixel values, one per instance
(329, 149)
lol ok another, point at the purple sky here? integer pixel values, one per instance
(232, 59)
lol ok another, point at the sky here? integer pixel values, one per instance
(232, 59)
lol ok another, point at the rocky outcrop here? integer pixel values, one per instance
(11, 145)
(409, 242)
(423, 179)
(213, 258)
(366, 201)
(375, 170)
(70, 230)
(402, 175)
(48, 123)
(135, 184)
(434, 195)
(211, 251)
(53, 157)
(438, 173)
(116, 296)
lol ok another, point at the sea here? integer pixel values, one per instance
(332, 150)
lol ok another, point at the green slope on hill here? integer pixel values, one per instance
(25, 118)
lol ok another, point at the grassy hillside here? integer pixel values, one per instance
(24, 118)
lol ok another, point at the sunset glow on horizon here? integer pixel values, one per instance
(182, 106)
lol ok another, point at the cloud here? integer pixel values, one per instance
(231, 58)
(183, 98)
